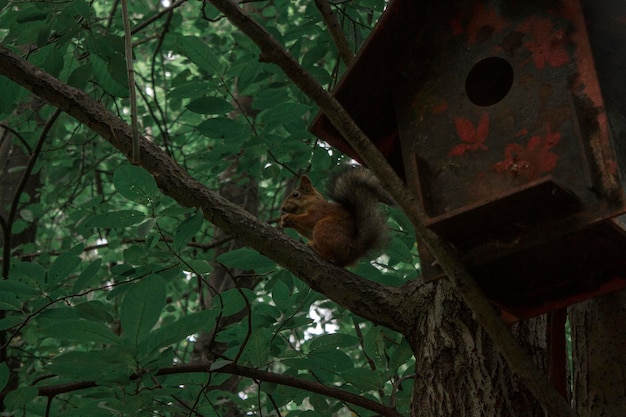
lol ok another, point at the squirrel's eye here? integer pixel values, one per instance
(295, 194)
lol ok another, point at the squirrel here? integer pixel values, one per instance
(346, 230)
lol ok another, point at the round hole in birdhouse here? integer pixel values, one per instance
(489, 81)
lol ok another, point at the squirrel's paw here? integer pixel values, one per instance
(284, 221)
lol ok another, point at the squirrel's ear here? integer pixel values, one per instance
(305, 183)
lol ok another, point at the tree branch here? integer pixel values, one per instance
(157, 16)
(462, 280)
(335, 31)
(234, 369)
(384, 305)
(30, 165)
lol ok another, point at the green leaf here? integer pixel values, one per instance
(136, 184)
(210, 105)
(146, 227)
(177, 330)
(399, 251)
(224, 128)
(86, 275)
(20, 397)
(9, 89)
(327, 360)
(115, 219)
(232, 301)
(95, 311)
(198, 52)
(53, 62)
(258, 347)
(141, 307)
(283, 113)
(333, 360)
(102, 73)
(297, 322)
(315, 54)
(113, 364)
(80, 331)
(18, 288)
(10, 321)
(10, 301)
(363, 378)
(402, 353)
(187, 230)
(135, 255)
(198, 266)
(280, 295)
(28, 272)
(270, 97)
(81, 76)
(374, 347)
(246, 259)
(337, 340)
(65, 264)
(193, 89)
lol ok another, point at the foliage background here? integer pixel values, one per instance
(118, 282)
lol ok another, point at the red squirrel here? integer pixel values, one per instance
(347, 229)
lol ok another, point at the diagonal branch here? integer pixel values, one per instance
(335, 31)
(463, 282)
(387, 306)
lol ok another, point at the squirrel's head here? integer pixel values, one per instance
(300, 198)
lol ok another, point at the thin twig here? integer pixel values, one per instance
(128, 51)
(157, 16)
(336, 31)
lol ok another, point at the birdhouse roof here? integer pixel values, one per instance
(375, 65)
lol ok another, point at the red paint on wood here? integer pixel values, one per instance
(532, 160)
(547, 45)
(474, 137)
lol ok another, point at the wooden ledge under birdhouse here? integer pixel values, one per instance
(529, 204)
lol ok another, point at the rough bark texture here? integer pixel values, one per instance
(599, 356)
(460, 372)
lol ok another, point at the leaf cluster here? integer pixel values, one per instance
(119, 282)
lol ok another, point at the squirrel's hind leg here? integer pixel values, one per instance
(330, 243)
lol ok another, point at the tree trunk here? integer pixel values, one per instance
(12, 156)
(459, 370)
(599, 356)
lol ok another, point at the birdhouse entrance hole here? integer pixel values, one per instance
(489, 81)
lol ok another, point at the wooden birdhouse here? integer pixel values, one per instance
(507, 119)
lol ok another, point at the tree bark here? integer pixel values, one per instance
(460, 371)
(599, 355)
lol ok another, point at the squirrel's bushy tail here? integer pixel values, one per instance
(360, 192)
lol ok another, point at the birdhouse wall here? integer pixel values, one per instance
(495, 98)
